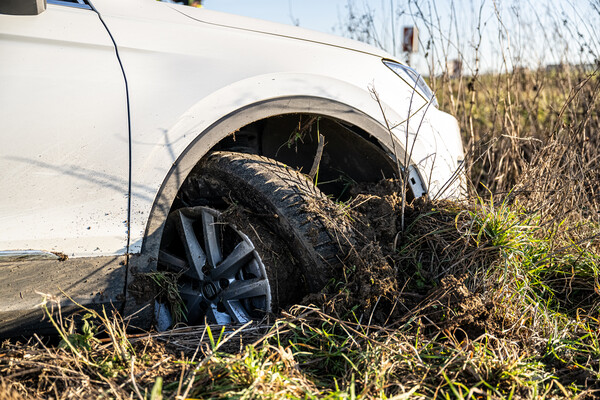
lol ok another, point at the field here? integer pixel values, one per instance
(496, 297)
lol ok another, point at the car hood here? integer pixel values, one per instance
(272, 28)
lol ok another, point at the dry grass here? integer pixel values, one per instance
(468, 301)
(497, 298)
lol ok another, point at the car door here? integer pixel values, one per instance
(63, 134)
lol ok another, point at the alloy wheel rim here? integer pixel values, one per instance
(223, 279)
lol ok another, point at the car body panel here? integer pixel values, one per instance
(211, 70)
(430, 131)
(73, 146)
(91, 281)
(271, 28)
(64, 162)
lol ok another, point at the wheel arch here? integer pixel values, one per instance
(211, 136)
(146, 260)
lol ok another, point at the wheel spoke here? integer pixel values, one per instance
(217, 317)
(245, 289)
(236, 311)
(221, 269)
(254, 268)
(193, 302)
(211, 239)
(232, 264)
(193, 250)
(172, 261)
(176, 264)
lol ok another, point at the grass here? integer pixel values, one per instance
(489, 304)
(495, 298)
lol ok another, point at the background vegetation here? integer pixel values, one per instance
(494, 298)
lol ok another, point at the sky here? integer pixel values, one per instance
(319, 15)
(327, 16)
(484, 34)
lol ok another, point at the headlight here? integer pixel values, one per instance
(412, 77)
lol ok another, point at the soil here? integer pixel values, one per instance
(399, 264)
(396, 268)
(287, 284)
(391, 266)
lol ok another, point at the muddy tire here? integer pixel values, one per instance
(272, 208)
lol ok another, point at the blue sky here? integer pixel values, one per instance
(532, 33)
(320, 15)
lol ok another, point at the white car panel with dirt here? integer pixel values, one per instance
(186, 103)
(64, 164)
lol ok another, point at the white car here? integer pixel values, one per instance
(128, 126)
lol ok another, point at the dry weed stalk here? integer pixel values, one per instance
(495, 299)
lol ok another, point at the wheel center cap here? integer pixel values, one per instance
(210, 290)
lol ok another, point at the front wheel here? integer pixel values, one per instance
(249, 235)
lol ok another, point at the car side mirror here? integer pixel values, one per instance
(22, 7)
